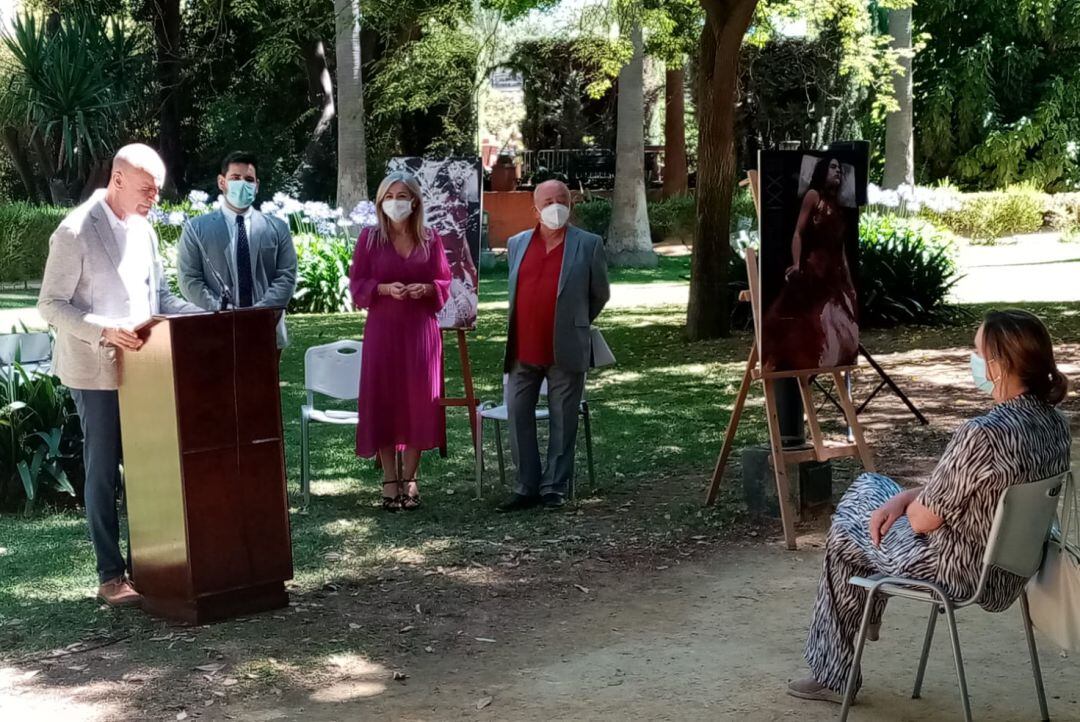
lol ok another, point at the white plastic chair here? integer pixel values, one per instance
(500, 414)
(332, 370)
(32, 351)
(1025, 513)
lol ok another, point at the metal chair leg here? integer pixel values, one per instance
(479, 457)
(1036, 669)
(499, 451)
(305, 476)
(930, 626)
(856, 662)
(588, 443)
(958, 658)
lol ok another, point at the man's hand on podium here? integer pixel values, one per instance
(122, 338)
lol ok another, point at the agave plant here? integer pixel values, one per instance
(74, 84)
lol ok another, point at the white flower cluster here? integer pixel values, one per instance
(914, 199)
(312, 217)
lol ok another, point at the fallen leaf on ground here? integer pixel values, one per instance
(484, 639)
(231, 682)
(181, 715)
(429, 650)
(354, 625)
(406, 628)
(483, 702)
(400, 676)
(78, 667)
(583, 590)
(211, 668)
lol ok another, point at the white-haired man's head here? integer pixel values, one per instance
(551, 204)
(138, 174)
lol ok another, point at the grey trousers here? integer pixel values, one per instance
(564, 398)
(99, 415)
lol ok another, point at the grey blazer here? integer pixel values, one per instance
(206, 247)
(82, 291)
(583, 292)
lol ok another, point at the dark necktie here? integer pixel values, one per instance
(243, 265)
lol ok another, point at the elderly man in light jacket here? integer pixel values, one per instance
(102, 279)
(251, 253)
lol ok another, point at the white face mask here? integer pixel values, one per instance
(555, 216)
(396, 209)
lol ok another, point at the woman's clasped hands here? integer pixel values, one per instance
(400, 291)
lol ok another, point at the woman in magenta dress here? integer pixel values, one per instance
(400, 274)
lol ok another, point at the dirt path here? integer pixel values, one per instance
(710, 640)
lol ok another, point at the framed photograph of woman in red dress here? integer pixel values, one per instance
(809, 254)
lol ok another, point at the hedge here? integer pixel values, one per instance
(24, 239)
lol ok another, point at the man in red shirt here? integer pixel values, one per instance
(558, 286)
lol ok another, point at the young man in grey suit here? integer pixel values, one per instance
(558, 286)
(103, 278)
(252, 254)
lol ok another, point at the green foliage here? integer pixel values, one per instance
(986, 217)
(997, 95)
(75, 83)
(673, 219)
(24, 239)
(569, 101)
(40, 439)
(906, 270)
(322, 275)
(594, 216)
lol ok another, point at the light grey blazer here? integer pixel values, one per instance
(205, 244)
(82, 291)
(583, 292)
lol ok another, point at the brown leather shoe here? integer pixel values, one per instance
(119, 593)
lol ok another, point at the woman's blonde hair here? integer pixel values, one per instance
(419, 231)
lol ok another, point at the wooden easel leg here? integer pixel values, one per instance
(466, 374)
(732, 428)
(783, 491)
(853, 422)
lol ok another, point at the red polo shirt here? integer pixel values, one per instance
(537, 291)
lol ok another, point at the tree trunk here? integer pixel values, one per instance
(167, 21)
(675, 180)
(352, 148)
(726, 21)
(899, 135)
(629, 241)
(313, 164)
(17, 152)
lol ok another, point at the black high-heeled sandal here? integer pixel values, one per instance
(392, 503)
(409, 502)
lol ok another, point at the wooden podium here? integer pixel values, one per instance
(200, 417)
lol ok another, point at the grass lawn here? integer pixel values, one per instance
(652, 425)
(658, 417)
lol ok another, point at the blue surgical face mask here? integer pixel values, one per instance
(978, 374)
(241, 193)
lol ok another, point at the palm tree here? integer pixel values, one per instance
(352, 156)
(629, 242)
(899, 136)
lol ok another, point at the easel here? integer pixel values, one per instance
(780, 458)
(469, 401)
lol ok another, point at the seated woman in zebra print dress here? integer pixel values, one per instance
(939, 531)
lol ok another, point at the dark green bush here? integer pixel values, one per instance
(24, 239)
(594, 216)
(673, 219)
(40, 440)
(322, 275)
(906, 271)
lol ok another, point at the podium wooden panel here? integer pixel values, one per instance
(204, 468)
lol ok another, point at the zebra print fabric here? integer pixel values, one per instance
(1017, 442)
